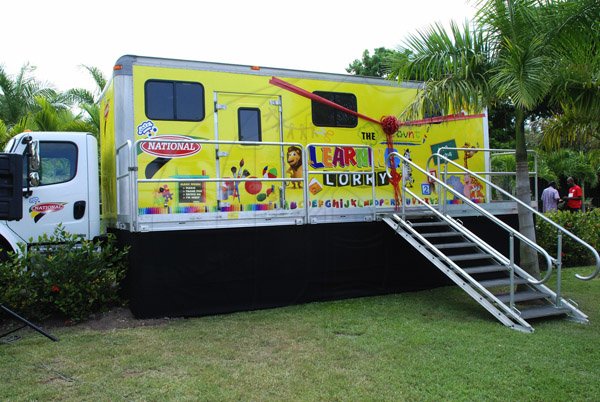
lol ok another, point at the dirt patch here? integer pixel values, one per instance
(120, 317)
(116, 318)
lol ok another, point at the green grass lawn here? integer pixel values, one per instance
(431, 345)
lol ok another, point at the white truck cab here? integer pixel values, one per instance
(46, 179)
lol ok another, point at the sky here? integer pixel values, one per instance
(59, 36)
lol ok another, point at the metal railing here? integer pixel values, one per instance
(498, 152)
(475, 289)
(218, 155)
(512, 232)
(561, 230)
(127, 175)
(371, 172)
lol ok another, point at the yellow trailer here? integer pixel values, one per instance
(218, 176)
(221, 145)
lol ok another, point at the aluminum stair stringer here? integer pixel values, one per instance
(574, 313)
(531, 299)
(483, 296)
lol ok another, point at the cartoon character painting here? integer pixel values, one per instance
(469, 154)
(407, 170)
(163, 196)
(294, 160)
(473, 189)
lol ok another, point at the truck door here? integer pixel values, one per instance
(248, 119)
(62, 196)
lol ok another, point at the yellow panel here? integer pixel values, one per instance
(326, 191)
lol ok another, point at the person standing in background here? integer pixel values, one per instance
(575, 196)
(550, 198)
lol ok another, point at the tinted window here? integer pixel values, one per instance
(59, 162)
(327, 116)
(189, 101)
(432, 110)
(174, 100)
(249, 124)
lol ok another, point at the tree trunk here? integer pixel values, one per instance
(529, 257)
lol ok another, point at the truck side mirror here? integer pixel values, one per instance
(34, 179)
(33, 155)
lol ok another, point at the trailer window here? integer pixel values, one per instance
(249, 124)
(59, 162)
(432, 110)
(327, 116)
(174, 100)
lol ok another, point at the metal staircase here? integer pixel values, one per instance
(481, 271)
(492, 279)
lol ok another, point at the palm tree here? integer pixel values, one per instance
(17, 94)
(4, 134)
(88, 100)
(50, 118)
(578, 89)
(508, 56)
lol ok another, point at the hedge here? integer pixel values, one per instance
(585, 225)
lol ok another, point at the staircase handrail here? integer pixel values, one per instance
(499, 152)
(529, 208)
(474, 284)
(498, 222)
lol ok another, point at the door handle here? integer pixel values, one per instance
(79, 209)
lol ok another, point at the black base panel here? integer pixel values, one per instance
(203, 272)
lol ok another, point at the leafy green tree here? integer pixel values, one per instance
(4, 135)
(88, 100)
(50, 118)
(18, 93)
(567, 162)
(508, 55)
(377, 65)
(501, 126)
(28, 104)
(578, 81)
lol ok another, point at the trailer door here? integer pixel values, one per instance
(248, 117)
(248, 128)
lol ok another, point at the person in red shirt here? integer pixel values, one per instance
(575, 197)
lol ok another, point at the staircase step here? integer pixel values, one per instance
(441, 234)
(501, 282)
(428, 224)
(522, 296)
(460, 244)
(485, 269)
(468, 257)
(543, 311)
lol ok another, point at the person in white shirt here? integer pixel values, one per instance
(550, 198)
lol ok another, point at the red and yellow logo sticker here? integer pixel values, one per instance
(38, 211)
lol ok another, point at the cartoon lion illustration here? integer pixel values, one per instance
(294, 160)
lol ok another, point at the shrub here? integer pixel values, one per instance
(63, 276)
(585, 225)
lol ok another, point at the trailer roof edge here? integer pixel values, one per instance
(126, 63)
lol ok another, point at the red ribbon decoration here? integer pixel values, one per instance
(430, 120)
(389, 124)
(303, 92)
